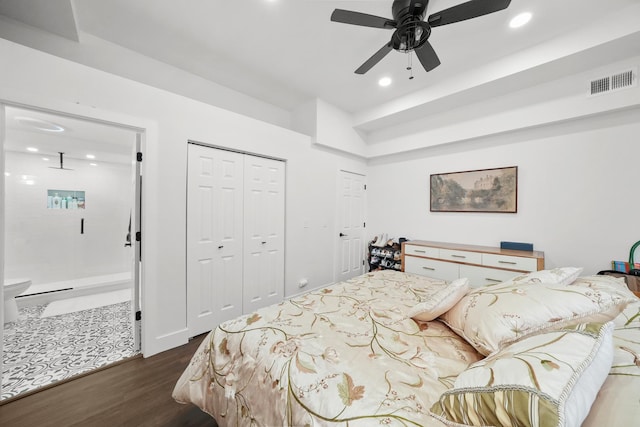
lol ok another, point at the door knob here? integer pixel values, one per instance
(221, 246)
(343, 235)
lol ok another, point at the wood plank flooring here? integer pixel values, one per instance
(134, 393)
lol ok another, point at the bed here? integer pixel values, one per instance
(391, 348)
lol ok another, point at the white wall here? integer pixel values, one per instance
(576, 186)
(44, 244)
(334, 129)
(39, 79)
(95, 52)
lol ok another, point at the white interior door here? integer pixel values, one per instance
(263, 232)
(350, 225)
(214, 237)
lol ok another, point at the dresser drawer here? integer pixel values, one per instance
(421, 251)
(511, 262)
(461, 256)
(431, 268)
(483, 276)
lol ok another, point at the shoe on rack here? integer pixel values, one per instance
(381, 241)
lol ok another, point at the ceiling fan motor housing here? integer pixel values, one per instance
(403, 10)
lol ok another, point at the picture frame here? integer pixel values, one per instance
(483, 190)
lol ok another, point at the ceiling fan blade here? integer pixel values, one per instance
(427, 56)
(377, 57)
(363, 19)
(468, 10)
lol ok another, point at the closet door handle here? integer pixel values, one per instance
(221, 246)
(343, 235)
(81, 225)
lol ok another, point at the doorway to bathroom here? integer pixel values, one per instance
(71, 257)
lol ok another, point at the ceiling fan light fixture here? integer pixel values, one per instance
(384, 81)
(520, 20)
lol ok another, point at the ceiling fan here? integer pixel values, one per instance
(411, 30)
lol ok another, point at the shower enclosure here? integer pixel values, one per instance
(66, 227)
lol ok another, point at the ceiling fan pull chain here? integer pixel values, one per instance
(410, 66)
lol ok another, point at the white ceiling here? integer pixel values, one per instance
(34, 129)
(287, 52)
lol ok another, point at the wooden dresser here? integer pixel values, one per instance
(482, 265)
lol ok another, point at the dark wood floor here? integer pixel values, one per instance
(134, 393)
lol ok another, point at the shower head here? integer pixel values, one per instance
(61, 163)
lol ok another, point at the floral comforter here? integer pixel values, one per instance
(343, 355)
(348, 355)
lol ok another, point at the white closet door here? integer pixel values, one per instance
(263, 232)
(214, 237)
(350, 225)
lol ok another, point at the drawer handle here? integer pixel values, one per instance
(429, 268)
(507, 262)
(489, 279)
(419, 251)
(458, 256)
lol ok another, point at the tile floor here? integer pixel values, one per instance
(39, 351)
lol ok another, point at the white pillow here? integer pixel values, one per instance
(550, 379)
(493, 316)
(559, 276)
(441, 301)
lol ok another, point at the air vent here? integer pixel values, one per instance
(622, 80)
(613, 82)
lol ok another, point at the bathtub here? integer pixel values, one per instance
(44, 293)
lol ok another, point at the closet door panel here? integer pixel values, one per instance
(214, 237)
(263, 232)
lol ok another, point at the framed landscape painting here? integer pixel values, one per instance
(485, 190)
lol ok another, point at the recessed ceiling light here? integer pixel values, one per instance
(385, 81)
(46, 159)
(520, 20)
(39, 124)
(93, 164)
(32, 149)
(7, 174)
(90, 156)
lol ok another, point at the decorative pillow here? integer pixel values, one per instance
(550, 379)
(559, 276)
(494, 316)
(441, 301)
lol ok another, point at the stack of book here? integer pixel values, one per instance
(623, 266)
